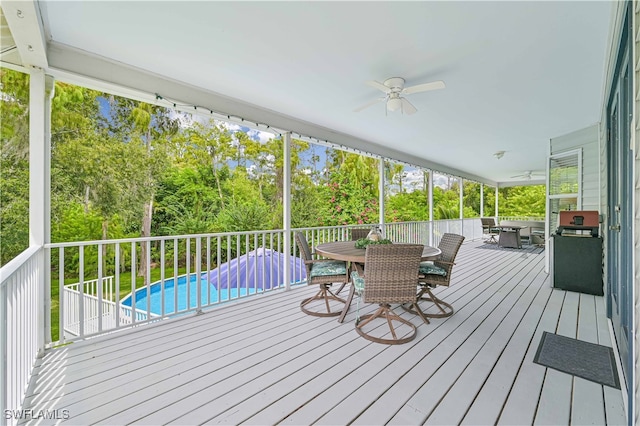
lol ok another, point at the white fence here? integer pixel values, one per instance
(21, 325)
(82, 302)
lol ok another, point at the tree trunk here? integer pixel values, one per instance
(217, 178)
(146, 232)
(87, 190)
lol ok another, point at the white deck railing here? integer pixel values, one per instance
(73, 298)
(89, 262)
(100, 284)
(21, 325)
(92, 306)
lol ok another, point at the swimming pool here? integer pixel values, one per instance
(170, 291)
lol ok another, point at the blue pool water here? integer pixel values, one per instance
(170, 291)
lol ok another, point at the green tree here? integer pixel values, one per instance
(14, 164)
(523, 201)
(152, 127)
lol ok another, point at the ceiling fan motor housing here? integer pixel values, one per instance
(396, 84)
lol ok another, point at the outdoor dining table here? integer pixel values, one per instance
(346, 251)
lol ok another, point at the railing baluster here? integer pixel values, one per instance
(117, 289)
(81, 292)
(62, 307)
(134, 311)
(175, 275)
(198, 266)
(162, 277)
(229, 264)
(218, 262)
(99, 287)
(188, 276)
(238, 253)
(147, 277)
(208, 270)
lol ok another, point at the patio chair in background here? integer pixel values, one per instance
(391, 276)
(323, 272)
(357, 233)
(437, 273)
(489, 228)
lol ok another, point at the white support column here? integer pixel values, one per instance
(461, 198)
(496, 213)
(482, 200)
(431, 227)
(41, 88)
(381, 196)
(286, 207)
(38, 155)
(49, 94)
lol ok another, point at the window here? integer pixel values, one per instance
(565, 184)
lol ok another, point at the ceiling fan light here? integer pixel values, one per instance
(394, 104)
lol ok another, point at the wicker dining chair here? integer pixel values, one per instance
(438, 273)
(357, 233)
(323, 272)
(391, 276)
(489, 229)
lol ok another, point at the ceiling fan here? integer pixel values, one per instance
(393, 88)
(527, 175)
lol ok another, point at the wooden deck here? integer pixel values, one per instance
(264, 362)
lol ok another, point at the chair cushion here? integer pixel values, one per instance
(358, 281)
(428, 268)
(330, 267)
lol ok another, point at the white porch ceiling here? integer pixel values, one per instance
(517, 73)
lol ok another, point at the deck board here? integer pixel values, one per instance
(262, 361)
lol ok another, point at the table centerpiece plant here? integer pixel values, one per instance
(362, 243)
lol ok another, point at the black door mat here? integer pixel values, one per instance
(583, 359)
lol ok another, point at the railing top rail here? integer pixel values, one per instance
(157, 238)
(178, 237)
(223, 234)
(14, 264)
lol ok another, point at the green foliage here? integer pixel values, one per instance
(350, 197)
(362, 243)
(407, 206)
(523, 201)
(446, 203)
(14, 164)
(238, 217)
(78, 224)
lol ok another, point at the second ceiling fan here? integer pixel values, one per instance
(393, 88)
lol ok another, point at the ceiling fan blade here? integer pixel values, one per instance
(434, 85)
(368, 104)
(379, 86)
(407, 107)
